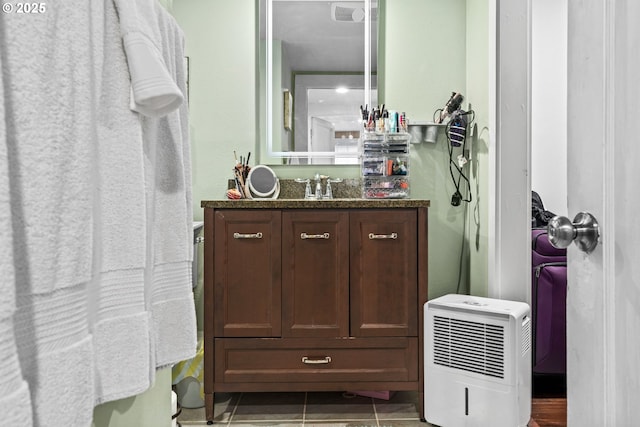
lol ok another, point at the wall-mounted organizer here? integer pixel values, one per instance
(385, 165)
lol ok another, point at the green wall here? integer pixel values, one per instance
(477, 71)
(423, 64)
(221, 46)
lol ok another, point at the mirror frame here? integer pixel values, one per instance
(270, 153)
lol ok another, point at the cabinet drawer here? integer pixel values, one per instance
(298, 360)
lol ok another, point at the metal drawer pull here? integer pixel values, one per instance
(383, 236)
(323, 361)
(247, 236)
(304, 236)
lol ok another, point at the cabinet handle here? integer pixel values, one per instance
(383, 236)
(325, 360)
(247, 236)
(304, 236)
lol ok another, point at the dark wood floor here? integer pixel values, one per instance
(549, 412)
(549, 403)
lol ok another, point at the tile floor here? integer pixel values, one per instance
(320, 409)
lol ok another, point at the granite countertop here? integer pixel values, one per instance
(314, 204)
(346, 196)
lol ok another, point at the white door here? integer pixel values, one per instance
(603, 298)
(603, 167)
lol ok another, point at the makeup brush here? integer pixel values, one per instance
(246, 167)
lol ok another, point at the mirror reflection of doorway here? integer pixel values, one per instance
(336, 109)
(333, 97)
(320, 137)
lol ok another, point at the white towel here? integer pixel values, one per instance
(172, 302)
(121, 325)
(151, 93)
(15, 400)
(147, 27)
(153, 90)
(48, 72)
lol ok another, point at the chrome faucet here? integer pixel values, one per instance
(307, 189)
(318, 195)
(328, 194)
(328, 191)
(318, 179)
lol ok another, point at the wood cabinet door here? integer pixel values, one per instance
(315, 273)
(247, 273)
(384, 272)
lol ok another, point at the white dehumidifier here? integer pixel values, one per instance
(477, 369)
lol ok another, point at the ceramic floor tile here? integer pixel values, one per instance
(195, 423)
(223, 409)
(328, 406)
(272, 407)
(323, 409)
(190, 416)
(224, 405)
(403, 405)
(266, 424)
(371, 423)
(403, 423)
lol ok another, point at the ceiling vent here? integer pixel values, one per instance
(351, 12)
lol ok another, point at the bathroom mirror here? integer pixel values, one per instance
(316, 67)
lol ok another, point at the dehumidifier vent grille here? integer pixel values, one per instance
(526, 336)
(469, 346)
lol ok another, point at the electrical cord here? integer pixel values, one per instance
(463, 240)
(457, 197)
(459, 139)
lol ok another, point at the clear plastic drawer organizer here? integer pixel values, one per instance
(385, 165)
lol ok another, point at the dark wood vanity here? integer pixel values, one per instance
(304, 295)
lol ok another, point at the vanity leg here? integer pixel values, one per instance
(208, 407)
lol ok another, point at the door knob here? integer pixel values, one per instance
(583, 231)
